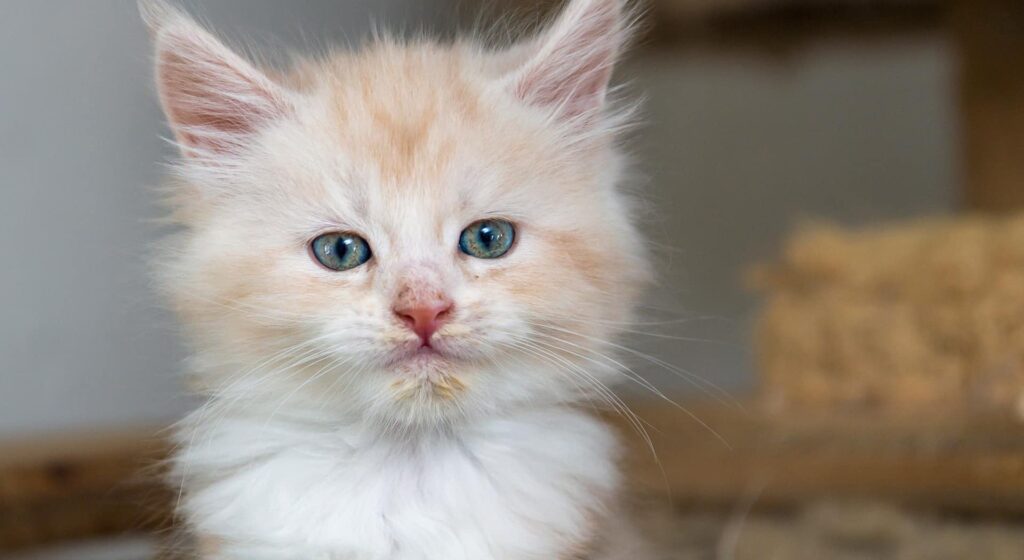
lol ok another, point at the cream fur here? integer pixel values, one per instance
(321, 438)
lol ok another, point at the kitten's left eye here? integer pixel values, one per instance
(340, 250)
(487, 239)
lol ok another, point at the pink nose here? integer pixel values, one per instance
(424, 319)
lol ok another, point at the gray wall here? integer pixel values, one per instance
(736, 149)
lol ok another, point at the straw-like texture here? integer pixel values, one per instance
(924, 314)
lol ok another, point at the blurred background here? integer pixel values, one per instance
(740, 143)
(789, 151)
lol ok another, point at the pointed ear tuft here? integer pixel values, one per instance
(213, 98)
(157, 13)
(573, 59)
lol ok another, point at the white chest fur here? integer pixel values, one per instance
(523, 486)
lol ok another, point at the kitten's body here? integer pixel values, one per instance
(333, 429)
(537, 483)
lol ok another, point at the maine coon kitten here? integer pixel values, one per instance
(401, 270)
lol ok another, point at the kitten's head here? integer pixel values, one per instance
(413, 232)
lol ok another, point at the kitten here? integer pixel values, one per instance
(401, 270)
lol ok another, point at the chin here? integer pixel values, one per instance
(425, 385)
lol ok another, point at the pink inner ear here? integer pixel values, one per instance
(575, 65)
(213, 98)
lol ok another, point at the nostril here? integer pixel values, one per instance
(406, 318)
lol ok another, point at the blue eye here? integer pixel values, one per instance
(341, 251)
(487, 239)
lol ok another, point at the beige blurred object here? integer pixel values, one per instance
(920, 315)
(830, 530)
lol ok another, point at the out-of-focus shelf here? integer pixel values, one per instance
(70, 487)
(990, 39)
(959, 462)
(762, 26)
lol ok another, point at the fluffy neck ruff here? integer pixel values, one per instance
(531, 484)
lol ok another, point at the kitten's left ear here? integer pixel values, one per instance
(572, 60)
(214, 99)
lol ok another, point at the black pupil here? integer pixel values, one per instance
(341, 247)
(488, 234)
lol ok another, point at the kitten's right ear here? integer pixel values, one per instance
(213, 98)
(572, 59)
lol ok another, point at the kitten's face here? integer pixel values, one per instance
(489, 257)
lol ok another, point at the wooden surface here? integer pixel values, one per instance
(990, 40)
(942, 461)
(73, 487)
(80, 485)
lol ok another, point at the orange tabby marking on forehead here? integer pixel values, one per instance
(400, 107)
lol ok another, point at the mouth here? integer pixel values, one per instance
(420, 355)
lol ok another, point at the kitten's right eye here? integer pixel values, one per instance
(340, 250)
